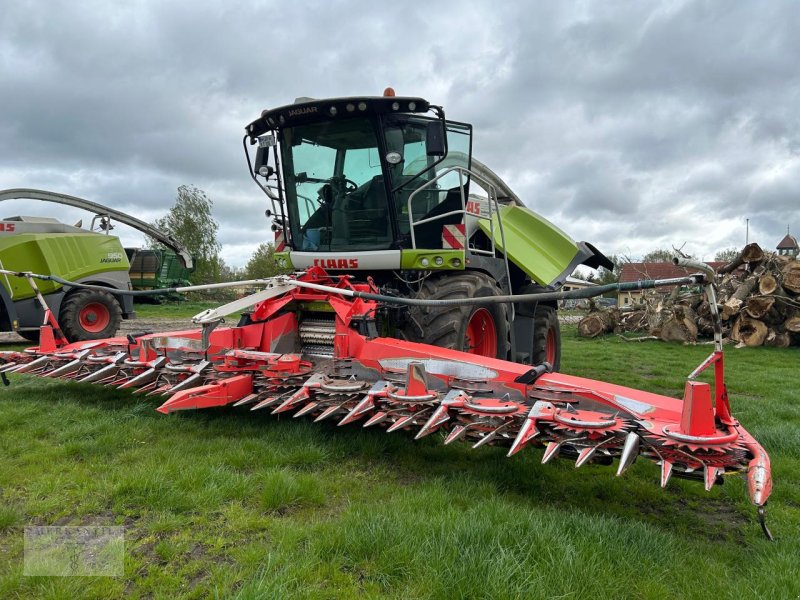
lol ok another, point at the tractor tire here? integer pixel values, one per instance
(89, 315)
(546, 337)
(482, 330)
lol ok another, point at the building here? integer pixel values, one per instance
(788, 245)
(573, 283)
(632, 272)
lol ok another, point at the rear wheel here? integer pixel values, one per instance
(482, 330)
(546, 337)
(89, 315)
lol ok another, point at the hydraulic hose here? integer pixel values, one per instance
(116, 292)
(585, 293)
(645, 284)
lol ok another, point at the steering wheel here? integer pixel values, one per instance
(336, 187)
(348, 185)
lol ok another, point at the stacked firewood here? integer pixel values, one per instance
(758, 297)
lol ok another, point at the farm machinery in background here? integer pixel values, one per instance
(408, 298)
(91, 256)
(156, 268)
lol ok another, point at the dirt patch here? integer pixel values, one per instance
(158, 324)
(153, 325)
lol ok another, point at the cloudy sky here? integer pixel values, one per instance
(633, 125)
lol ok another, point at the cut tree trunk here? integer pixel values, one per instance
(758, 296)
(752, 253)
(758, 306)
(750, 332)
(792, 324)
(791, 276)
(678, 330)
(733, 305)
(768, 284)
(633, 321)
(704, 309)
(705, 326)
(726, 286)
(778, 339)
(681, 327)
(597, 323)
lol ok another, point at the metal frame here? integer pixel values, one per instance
(493, 204)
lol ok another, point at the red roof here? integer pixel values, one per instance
(789, 242)
(657, 270)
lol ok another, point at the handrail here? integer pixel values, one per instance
(491, 201)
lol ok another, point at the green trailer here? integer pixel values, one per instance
(156, 268)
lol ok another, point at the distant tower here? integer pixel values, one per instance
(788, 245)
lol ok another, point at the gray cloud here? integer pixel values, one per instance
(633, 125)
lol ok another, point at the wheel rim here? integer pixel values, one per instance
(551, 347)
(94, 317)
(482, 334)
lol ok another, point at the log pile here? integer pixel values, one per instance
(758, 297)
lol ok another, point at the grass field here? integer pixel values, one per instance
(173, 310)
(230, 504)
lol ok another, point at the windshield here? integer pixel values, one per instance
(334, 186)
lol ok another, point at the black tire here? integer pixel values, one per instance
(30, 335)
(546, 337)
(447, 327)
(89, 315)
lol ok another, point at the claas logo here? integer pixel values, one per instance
(336, 263)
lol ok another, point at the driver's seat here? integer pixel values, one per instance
(362, 218)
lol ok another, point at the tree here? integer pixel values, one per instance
(190, 222)
(726, 255)
(658, 256)
(263, 264)
(228, 273)
(605, 276)
(578, 274)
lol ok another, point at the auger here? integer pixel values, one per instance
(308, 346)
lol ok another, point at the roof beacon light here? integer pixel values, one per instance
(388, 93)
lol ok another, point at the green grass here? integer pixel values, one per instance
(229, 504)
(173, 309)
